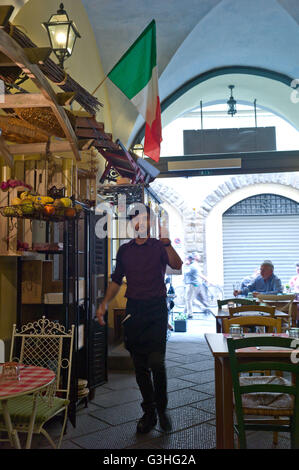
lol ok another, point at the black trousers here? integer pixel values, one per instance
(152, 380)
(145, 337)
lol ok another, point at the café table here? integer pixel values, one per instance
(32, 380)
(223, 382)
(282, 303)
(221, 313)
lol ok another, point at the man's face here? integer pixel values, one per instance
(266, 271)
(141, 224)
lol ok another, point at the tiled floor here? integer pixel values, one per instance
(109, 421)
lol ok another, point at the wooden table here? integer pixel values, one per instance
(32, 379)
(224, 313)
(223, 384)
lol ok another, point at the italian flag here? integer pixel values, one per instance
(136, 75)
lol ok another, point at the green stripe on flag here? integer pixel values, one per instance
(134, 70)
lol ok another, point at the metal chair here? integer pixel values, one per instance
(46, 344)
(273, 397)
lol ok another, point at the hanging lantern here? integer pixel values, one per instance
(62, 34)
(231, 102)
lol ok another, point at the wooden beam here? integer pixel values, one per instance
(16, 53)
(27, 149)
(25, 100)
(37, 55)
(5, 152)
(5, 14)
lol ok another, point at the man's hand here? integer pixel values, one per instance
(101, 312)
(237, 292)
(255, 294)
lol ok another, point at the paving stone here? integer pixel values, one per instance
(117, 397)
(119, 414)
(200, 377)
(196, 437)
(184, 397)
(206, 405)
(199, 366)
(177, 384)
(190, 358)
(208, 387)
(186, 417)
(115, 437)
(176, 372)
(264, 440)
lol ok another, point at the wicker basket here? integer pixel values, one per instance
(17, 130)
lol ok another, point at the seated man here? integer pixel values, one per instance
(266, 282)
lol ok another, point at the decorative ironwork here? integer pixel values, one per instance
(264, 204)
(132, 192)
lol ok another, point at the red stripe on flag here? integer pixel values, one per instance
(153, 135)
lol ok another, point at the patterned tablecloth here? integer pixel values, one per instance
(31, 378)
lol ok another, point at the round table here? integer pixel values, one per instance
(32, 379)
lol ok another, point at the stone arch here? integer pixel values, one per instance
(203, 227)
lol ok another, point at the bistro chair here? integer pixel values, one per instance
(271, 324)
(46, 344)
(273, 399)
(236, 301)
(288, 308)
(256, 309)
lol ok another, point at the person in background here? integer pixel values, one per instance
(143, 261)
(191, 281)
(294, 281)
(266, 282)
(249, 279)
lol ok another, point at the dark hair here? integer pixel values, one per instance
(149, 212)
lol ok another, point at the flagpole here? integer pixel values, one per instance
(100, 84)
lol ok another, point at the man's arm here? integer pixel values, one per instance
(174, 260)
(111, 292)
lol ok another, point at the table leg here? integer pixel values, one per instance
(12, 433)
(219, 403)
(218, 325)
(228, 411)
(31, 423)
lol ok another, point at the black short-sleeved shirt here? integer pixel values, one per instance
(144, 267)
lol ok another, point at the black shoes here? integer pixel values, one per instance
(165, 421)
(147, 423)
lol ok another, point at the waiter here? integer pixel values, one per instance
(143, 261)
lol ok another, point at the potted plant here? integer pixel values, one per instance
(180, 323)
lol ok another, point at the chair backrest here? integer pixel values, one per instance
(46, 344)
(252, 308)
(269, 323)
(236, 301)
(288, 307)
(237, 367)
(276, 297)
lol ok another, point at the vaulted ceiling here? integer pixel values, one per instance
(201, 45)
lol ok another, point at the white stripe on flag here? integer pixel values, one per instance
(146, 100)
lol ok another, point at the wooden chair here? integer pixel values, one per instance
(46, 344)
(288, 308)
(236, 301)
(272, 397)
(269, 323)
(251, 308)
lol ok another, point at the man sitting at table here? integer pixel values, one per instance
(266, 282)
